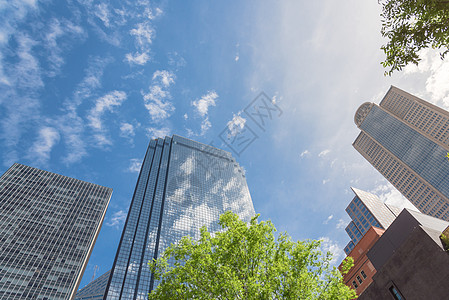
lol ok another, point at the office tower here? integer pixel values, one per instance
(367, 210)
(182, 186)
(94, 290)
(410, 260)
(48, 227)
(406, 139)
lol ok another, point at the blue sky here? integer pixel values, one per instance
(85, 84)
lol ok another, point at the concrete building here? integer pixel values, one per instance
(48, 227)
(360, 275)
(182, 186)
(406, 139)
(410, 260)
(366, 210)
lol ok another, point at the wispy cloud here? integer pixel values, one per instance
(236, 125)
(328, 245)
(201, 107)
(137, 58)
(304, 153)
(117, 219)
(107, 103)
(47, 138)
(156, 100)
(202, 104)
(341, 224)
(153, 133)
(58, 29)
(127, 130)
(134, 165)
(70, 123)
(324, 153)
(19, 97)
(328, 219)
(143, 33)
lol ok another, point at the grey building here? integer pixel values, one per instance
(182, 186)
(95, 289)
(366, 210)
(406, 139)
(410, 260)
(48, 227)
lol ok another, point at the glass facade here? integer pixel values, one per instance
(406, 139)
(94, 290)
(366, 210)
(183, 185)
(48, 227)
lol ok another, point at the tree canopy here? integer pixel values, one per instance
(412, 25)
(247, 261)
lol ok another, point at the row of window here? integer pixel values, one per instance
(360, 278)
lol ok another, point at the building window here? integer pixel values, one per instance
(359, 279)
(363, 274)
(355, 285)
(395, 293)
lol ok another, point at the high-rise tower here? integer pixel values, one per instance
(48, 227)
(182, 186)
(407, 139)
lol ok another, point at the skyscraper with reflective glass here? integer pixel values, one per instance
(48, 227)
(182, 186)
(366, 210)
(407, 139)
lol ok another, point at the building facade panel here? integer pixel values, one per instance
(48, 226)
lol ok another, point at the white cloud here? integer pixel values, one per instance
(304, 153)
(205, 126)
(202, 104)
(341, 224)
(324, 153)
(237, 58)
(328, 245)
(328, 219)
(390, 195)
(137, 58)
(325, 181)
(186, 116)
(127, 130)
(236, 124)
(40, 151)
(117, 219)
(155, 100)
(57, 30)
(165, 77)
(134, 165)
(103, 104)
(153, 133)
(143, 33)
(71, 125)
(102, 12)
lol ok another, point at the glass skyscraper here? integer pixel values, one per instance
(48, 227)
(366, 210)
(406, 139)
(182, 186)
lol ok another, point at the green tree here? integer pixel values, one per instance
(412, 25)
(247, 262)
